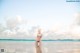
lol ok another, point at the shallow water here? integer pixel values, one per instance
(46, 47)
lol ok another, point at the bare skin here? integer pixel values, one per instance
(38, 42)
(38, 48)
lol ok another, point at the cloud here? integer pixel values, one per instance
(58, 30)
(12, 23)
(61, 30)
(19, 18)
(14, 29)
(77, 19)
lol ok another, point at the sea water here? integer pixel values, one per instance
(46, 46)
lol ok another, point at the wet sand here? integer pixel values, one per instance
(46, 47)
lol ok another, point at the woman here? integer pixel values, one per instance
(38, 42)
(39, 36)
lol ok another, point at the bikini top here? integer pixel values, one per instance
(39, 35)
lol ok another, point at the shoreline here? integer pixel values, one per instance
(72, 40)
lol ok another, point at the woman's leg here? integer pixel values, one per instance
(38, 47)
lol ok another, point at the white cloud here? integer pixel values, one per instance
(19, 18)
(54, 30)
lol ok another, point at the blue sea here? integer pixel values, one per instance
(30, 40)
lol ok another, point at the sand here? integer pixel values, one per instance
(46, 47)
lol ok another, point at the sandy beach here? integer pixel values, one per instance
(47, 47)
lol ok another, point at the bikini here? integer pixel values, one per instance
(39, 36)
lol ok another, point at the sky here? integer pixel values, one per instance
(48, 14)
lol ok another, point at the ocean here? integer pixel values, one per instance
(29, 46)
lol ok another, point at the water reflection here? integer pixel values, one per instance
(38, 47)
(45, 47)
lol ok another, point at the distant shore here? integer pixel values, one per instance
(41, 40)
